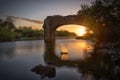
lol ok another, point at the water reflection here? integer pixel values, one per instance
(77, 64)
(52, 58)
(64, 57)
(17, 58)
(97, 67)
(76, 50)
(12, 49)
(6, 50)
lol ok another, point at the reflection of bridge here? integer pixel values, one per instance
(51, 58)
(99, 66)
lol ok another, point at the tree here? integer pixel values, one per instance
(7, 30)
(104, 17)
(8, 25)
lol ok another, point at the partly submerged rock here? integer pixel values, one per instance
(44, 71)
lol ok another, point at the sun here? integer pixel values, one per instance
(77, 29)
(81, 31)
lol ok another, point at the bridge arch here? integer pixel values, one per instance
(51, 23)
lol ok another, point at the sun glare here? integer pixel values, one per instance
(81, 31)
(78, 29)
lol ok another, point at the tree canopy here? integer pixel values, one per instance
(104, 17)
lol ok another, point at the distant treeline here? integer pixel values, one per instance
(64, 33)
(9, 32)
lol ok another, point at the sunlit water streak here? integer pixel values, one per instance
(77, 50)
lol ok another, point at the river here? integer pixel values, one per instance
(18, 58)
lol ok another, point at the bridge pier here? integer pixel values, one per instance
(49, 35)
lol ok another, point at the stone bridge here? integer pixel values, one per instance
(51, 23)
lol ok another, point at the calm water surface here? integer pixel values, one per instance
(18, 58)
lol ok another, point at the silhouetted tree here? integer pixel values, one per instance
(104, 17)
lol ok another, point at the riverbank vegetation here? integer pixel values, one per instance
(65, 33)
(103, 16)
(9, 32)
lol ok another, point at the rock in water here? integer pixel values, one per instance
(44, 71)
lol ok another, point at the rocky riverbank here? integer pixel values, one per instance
(111, 50)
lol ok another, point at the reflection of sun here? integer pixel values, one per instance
(81, 31)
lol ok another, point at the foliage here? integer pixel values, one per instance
(28, 33)
(7, 35)
(9, 32)
(64, 33)
(103, 16)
